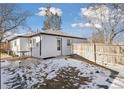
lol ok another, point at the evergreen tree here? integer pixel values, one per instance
(52, 21)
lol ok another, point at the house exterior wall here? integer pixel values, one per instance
(66, 49)
(49, 46)
(35, 44)
(22, 44)
(43, 46)
(15, 47)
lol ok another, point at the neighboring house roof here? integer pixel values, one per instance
(53, 33)
(11, 37)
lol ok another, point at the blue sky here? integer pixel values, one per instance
(70, 15)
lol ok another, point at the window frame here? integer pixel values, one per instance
(68, 42)
(34, 42)
(59, 44)
(15, 43)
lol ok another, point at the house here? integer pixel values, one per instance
(44, 44)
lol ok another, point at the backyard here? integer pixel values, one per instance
(62, 46)
(57, 73)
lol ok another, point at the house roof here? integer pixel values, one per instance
(48, 32)
(11, 37)
(58, 33)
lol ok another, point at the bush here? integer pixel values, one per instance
(3, 51)
(12, 54)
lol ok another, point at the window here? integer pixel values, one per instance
(34, 42)
(37, 44)
(30, 41)
(14, 43)
(68, 42)
(58, 44)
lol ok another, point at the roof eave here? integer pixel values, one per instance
(46, 34)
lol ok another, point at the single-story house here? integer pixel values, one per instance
(44, 44)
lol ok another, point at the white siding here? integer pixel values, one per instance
(66, 50)
(15, 48)
(36, 46)
(49, 46)
(22, 44)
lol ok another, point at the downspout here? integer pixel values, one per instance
(30, 43)
(61, 46)
(40, 45)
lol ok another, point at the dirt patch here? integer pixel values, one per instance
(67, 78)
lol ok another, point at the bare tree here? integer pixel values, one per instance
(97, 37)
(11, 19)
(106, 18)
(52, 21)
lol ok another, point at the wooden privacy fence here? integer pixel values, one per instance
(100, 53)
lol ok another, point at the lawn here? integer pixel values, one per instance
(54, 73)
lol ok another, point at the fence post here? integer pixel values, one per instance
(95, 52)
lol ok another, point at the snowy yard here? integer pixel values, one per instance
(55, 73)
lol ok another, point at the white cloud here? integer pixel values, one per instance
(59, 11)
(43, 8)
(53, 10)
(97, 12)
(98, 26)
(42, 13)
(74, 25)
(83, 10)
(85, 25)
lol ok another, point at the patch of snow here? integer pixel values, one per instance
(5, 64)
(35, 72)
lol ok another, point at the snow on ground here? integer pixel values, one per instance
(31, 72)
